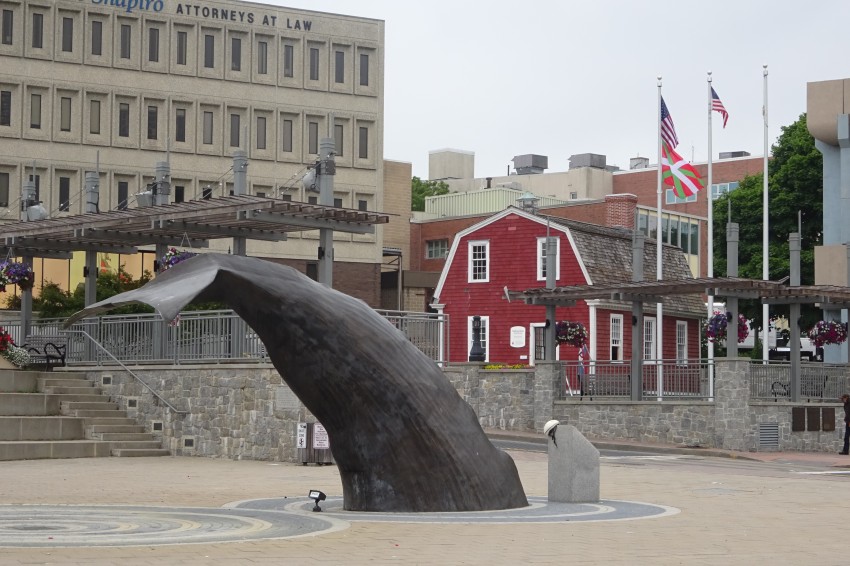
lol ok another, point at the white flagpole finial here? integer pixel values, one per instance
(765, 69)
(709, 76)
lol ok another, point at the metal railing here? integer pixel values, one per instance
(201, 336)
(681, 379)
(818, 381)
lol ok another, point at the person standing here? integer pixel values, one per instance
(846, 399)
(583, 356)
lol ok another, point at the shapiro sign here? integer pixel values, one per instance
(130, 5)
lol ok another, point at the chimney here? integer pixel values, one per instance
(620, 211)
(489, 181)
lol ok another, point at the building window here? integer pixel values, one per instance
(208, 128)
(435, 249)
(35, 111)
(479, 265)
(362, 205)
(182, 46)
(4, 190)
(574, 195)
(288, 61)
(261, 132)
(616, 340)
(339, 67)
(313, 200)
(7, 27)
(338, 140)
(179, 193)
(234, 130)
(152, 122)
(37, 30)
(65, 114)
(541, 259)
(64, 194)
(36, 180)
(313, 137)
(123, 194)
(262, 58)
(5, 108)
(209, 51)
(153, 45)
(363, 145)
(485, 333)
(180, 125)
(287, 136)
(364, 69)
(671, 198)
(125, 41)
(682, 342)
(206, 193)
(338, 202)
(235, 54)
(94, 117)
(67, 35)
(314, 64)
(124, 120)
(96, 37)
(648, 338)
(721, 189)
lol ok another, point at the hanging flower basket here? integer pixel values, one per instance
(715, 327)
(824, 333)
(172, 257)
(16, 273)
(572, 333)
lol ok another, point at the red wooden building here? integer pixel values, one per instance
(507, 250)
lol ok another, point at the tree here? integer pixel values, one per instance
(420, 189)
(795, 185)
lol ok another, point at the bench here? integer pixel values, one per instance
(46, 350)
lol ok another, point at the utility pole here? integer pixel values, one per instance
(325, 171)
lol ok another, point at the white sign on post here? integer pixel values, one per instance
(302, 435)
(320, 437)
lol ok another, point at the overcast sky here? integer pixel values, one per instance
(503, 78)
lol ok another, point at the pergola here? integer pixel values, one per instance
(192, 223)
(767, 292)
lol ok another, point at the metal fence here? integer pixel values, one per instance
(679, 379)
(818, 381)
(208, 336)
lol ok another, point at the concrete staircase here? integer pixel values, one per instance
(63, 415)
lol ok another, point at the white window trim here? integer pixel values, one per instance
(470, 246)
(485, 324)
(682, 341)
(611, 344)
(648, 320)
(540, 241)
(532, 343)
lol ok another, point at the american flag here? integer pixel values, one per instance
(668, 130)
(717, 106)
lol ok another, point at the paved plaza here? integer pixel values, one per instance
(675, 507)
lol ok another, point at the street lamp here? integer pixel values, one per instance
(528, 202)
(476, 353)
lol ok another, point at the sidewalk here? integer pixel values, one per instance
(832, 459)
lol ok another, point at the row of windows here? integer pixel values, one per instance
(152, 112)
(615, 344)
(681, 231)
(479, 260)
(181, 191)
(209, 43)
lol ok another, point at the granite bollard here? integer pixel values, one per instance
(573, 466)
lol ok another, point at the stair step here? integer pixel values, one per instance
(88, 405)
(90, 390)
(96, 429)
(119, 436)
(63, 382)
(77, 398)
(28, 404)
(108, 421)
(101, 413)
(133, 452)
(47, 428)
(37, 450)
(136, 445)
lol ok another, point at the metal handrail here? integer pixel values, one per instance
(128, 370)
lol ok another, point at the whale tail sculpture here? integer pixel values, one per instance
(402, 437)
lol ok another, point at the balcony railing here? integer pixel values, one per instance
(680, 379)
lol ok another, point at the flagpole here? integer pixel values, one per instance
(710, 198)
(765, 309)
(658, 258)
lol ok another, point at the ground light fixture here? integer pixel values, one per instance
(317, 496)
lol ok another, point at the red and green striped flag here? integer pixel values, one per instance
(678, 173)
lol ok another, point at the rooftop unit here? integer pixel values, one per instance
(732, 154)
(587, 160)
(530, 164)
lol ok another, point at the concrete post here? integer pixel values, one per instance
(794, 317)
(163, 183)
(732, 302)
(240, 187)
(327, 170)
(638, 240)
(551, 281)
(92, 192)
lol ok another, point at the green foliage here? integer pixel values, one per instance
(795, 184)
(420, 189)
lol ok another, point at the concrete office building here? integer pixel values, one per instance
(118, 85)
